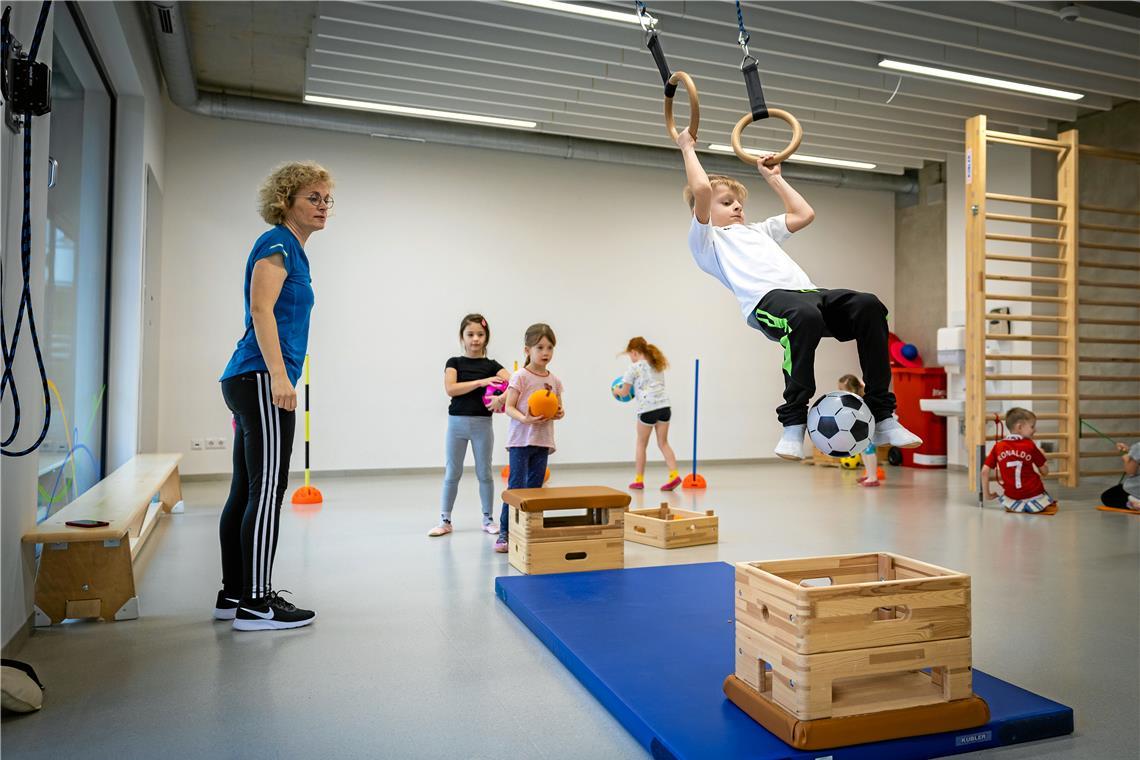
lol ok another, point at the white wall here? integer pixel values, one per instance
(423, 234)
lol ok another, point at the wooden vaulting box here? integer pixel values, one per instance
(828, 638)
(545, 539)
(670, 528)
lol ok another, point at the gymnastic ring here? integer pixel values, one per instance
(779, 113)
(694, 105)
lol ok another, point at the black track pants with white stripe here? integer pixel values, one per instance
(263, 443)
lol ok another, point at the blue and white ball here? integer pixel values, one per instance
(840, 424)
(626, 398)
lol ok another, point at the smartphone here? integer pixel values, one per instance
(87, 523)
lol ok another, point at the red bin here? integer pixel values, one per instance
(910, 385)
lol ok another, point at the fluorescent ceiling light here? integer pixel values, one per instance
(801, 158)
(581, 10)
(427, 113)
(958, 76)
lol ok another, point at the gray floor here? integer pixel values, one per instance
(412, 656)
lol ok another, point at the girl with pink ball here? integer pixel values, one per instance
(469, 380)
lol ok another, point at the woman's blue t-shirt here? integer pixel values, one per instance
(291, 310)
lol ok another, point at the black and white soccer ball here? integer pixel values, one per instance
(840, 424)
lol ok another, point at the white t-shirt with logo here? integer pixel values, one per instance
(648, 386)
(748, 259)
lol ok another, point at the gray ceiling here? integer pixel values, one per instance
(593, 78)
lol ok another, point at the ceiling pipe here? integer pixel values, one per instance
(173, 46)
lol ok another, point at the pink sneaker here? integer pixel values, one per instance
(671, 484)
(440, 530)
(637, 485)
(491, 527)
(501, 545)
(867, 483)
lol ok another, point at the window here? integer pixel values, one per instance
(74, 316)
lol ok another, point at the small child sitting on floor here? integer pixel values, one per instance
(1020, 465)
(1126, 493)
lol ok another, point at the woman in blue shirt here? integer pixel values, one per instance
(259, 387)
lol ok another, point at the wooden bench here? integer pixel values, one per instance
(89, 572)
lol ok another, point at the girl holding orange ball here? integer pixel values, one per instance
(534, 401)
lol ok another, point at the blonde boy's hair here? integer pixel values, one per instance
(1018, 415)
(718, 179)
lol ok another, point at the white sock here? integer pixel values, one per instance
(794, 432)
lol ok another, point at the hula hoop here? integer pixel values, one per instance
(694, 105)
(779, 113)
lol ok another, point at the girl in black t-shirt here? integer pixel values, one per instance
(465, 379)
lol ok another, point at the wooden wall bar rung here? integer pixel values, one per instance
(1107, 397)
(1025, 219)
(1109, 416)
(1099, 473)
(1110, 228)
(1111, 379)
(1101, 265)
(1037, 338)
(1123, 322)
(1052, 358)
(1102, 284)
(1025, 278)
(1024, 239)
(1103, 302)
(1121, 155)
(1026, 259)
(993, 135)
(1098, 454)
(1026, 397)
(1110, 209)
(1018, 297)
(1036, 437)
(1041, 378)
(1114, 341)
(1110, 247)
(1024, 199)
(995, 317)
(1119, 435)
(1094, 359)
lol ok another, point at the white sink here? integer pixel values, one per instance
(943, 407)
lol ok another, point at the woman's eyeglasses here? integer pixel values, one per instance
(316, 199)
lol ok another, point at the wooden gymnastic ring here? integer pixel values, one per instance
(694, 105)
(779, 113)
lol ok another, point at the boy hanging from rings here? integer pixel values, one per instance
(779, 299)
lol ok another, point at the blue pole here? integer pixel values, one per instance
(696, 392)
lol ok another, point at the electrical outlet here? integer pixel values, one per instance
(196, 444)
(215, 443)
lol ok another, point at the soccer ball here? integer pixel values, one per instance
(840, 424)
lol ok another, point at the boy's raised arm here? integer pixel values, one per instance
(697, 178)
(798, 212)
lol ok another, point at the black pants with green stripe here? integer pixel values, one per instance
(797, 320)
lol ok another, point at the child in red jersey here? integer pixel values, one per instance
(1020, 465)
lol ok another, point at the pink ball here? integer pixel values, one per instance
(492, 390)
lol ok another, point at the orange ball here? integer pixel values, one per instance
(543, 403)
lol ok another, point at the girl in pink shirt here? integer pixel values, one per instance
(530, 438)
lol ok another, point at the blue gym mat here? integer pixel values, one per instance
(654, 645)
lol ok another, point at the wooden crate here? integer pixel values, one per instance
(669, 528)
(544, 539)
(851, 634)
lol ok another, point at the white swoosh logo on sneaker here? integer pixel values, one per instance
(262, 615)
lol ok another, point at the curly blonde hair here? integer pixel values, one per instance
(714, 180)
(274, 197)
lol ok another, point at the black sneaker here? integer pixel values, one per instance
(226, 606)
(270, 614)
